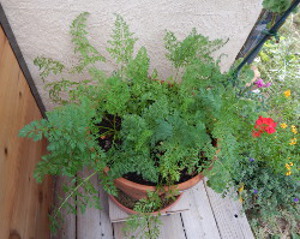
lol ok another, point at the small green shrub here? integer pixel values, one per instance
(133, 122)
(267, 177)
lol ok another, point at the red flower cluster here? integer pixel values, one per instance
(264, 125)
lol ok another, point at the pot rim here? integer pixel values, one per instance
(130, 211)
(144, 187)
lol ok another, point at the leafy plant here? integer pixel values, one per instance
(266, 174)
(159, 122)
(144, 224)
(132, 122)
(277, 6)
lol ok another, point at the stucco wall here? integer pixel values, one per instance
(41, 26)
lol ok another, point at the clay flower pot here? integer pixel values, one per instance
(130, 211)
(138, 191)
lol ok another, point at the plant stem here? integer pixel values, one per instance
(72, 192)
(103, 127)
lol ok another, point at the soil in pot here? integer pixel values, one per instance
(106, 127)
(134, 177)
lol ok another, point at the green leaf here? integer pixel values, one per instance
(89, 55)
(122, 43)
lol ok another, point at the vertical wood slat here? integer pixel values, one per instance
(92, 224)
(95, 223)
(232, 223)
(24, 204)
(199, 221)
(67, 229)
(171, 227)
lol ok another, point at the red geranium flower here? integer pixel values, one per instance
(266, 121)
(270, 130)
(264, 125)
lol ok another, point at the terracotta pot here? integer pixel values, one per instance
(138, 191)
(130, 211)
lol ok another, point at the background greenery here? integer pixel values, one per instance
(268, 194)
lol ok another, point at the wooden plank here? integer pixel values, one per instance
(243, 221)
(172, 227)
(95, 223)
(23, 203)
(40, 200)
(118, 232)
(39, 196)
(8, 162)
(106, 225)
(117, 215)
(43, 209)
(171, 223)
(232, 223)
(199, 221)
(67, 229)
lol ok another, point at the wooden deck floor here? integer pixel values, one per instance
(210, 217)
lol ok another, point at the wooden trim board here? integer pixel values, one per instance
(24, 204)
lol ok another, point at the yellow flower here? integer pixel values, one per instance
(288, 173)
(287, 93)
(293, 141)
(241, 189)
(291, 164)
(283, 125)
(294, 129)
(288, 166)
(241, 199)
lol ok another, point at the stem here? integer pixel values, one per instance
(115, 130)
(219, 161)
(108, 120)
(103, 127)
(72, 192)
(115, 122)
(245, 89)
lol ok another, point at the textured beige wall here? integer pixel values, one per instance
(41, 26)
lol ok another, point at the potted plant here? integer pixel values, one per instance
(131, 125)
